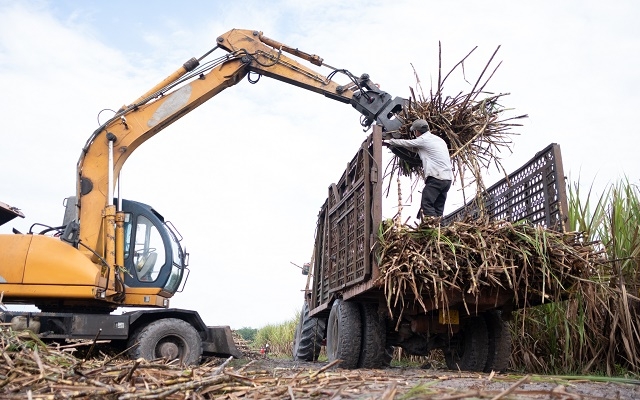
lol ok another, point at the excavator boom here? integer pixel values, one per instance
(101, 231)
(187, 88)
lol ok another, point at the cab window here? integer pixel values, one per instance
(149, 255)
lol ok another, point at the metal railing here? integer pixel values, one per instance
(536, 192)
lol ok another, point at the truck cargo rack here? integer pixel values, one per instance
(346, 223)
(344, 264)
(535, 192)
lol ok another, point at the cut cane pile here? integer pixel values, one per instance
(29, 369)
(429, 261)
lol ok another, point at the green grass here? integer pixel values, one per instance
(278, 336)
(597, 330)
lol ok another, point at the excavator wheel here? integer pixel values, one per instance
(309, 334)
(344, 334)
(469, 348)
(168, 338)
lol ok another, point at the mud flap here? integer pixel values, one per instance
(219, 343)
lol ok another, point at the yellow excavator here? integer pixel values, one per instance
(110, 253)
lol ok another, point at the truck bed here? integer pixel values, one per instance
(344, 253)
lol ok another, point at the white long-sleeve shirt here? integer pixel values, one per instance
(433, 152)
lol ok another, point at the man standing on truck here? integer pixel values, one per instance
(436, 164)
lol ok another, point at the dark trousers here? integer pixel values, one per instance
(434, 195)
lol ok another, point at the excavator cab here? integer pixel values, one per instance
(153, 255)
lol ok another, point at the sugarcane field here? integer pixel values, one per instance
(565, 289)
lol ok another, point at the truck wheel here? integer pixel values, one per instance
(307, 341)
(169, 338)
(374, 337)
(499, 342)
(344, 333)
(468, 349)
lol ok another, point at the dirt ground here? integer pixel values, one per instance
(424, 383)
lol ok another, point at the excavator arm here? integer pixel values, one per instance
(194, 83)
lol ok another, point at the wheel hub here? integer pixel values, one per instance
(168, 350)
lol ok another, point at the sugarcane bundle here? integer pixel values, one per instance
(472, 124)
(427, 262)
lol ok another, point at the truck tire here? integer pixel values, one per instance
(344, 334)
(374, 337)
(468, 349)
(307, 341)
(169, 338)
(499, 342)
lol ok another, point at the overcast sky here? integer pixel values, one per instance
(244, 176)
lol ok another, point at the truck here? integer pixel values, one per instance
(344, 306)
(111, 253)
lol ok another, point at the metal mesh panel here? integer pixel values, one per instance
(344, 227)
(535, 192)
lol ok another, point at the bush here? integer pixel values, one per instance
(248, 334)
(279, 337)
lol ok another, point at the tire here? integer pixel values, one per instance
(468, 349)
(344, 334)
(499, 342)
(374, 337)
(169, 338)
(309, 334)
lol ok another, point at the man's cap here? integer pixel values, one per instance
(419, 125)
